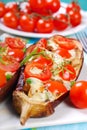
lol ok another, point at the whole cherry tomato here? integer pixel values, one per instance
(25, 7)
(45, 25)
(38, 6)
(12, 6)
(27, 23)
(61, 22)
(73, 6)
(78, 94)
(2, 9)
(75, 17)
(11, 20)
(52, 5)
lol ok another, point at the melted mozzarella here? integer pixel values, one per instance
(52, 44)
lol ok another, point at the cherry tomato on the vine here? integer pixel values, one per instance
(78, 94)
(27, 23)
(12, 6)
(2, 9)
(45, 25)
(61, 22)
(11, 20)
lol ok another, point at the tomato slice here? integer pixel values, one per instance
(63, 52)
(2, 78)
(65, 43)
(18, 54)
(42, 43)
(68, 73)
(37, 70)
(56, 86)
(16, 43)
(9, 64)
(43, 60)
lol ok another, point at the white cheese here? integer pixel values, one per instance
(35, 70)
(52, 44)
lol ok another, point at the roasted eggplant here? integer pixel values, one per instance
(11, 54)
(48, 70)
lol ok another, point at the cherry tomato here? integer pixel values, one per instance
(42, 43)
(68, 73)
(75, 18)
(10, 64)
(12, 6)
(10, 20)
(63, 52)
(78, 94)
(43, 72)
(27, 23)
(52, 5)
(38, 6)
(61, 22)
(17, 54)
(16, 43)
(2, 78)
(2, 9)
(72, 6)
(43, 60)
(45, 26)
(65, 43)
(25, 8)
(55, 86)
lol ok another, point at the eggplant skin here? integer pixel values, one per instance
(8, 88)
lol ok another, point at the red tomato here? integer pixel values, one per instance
(43, 60)
(10, 20)
(55, 86)
(65, 43)
(42, 43)
(75, 18)
(52, 5)
(25, 7)
(17, 54)
(61, 22)
(68, 73)
(78, 94)
(27, 23)
(63, 52)
(38, 6)
(45, 26)
(10, 64)
(73, 6)
(2, 9)
(43, 75)
(2, 78)
(16, 43)
(11, 6)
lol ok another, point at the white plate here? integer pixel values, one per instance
(68, 31)
(64, 113)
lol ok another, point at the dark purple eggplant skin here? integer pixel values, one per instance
(9, 87)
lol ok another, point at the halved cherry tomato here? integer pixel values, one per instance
(16, 43)
(42, 71)
(68, 73)
(42, 43)
(65, 43)
(11, 20)
(9, 64)
(2, 78)
(17, 54)
(63, 52)
(55, 86)
(78, 94)
(43, 60)
(2, 9)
